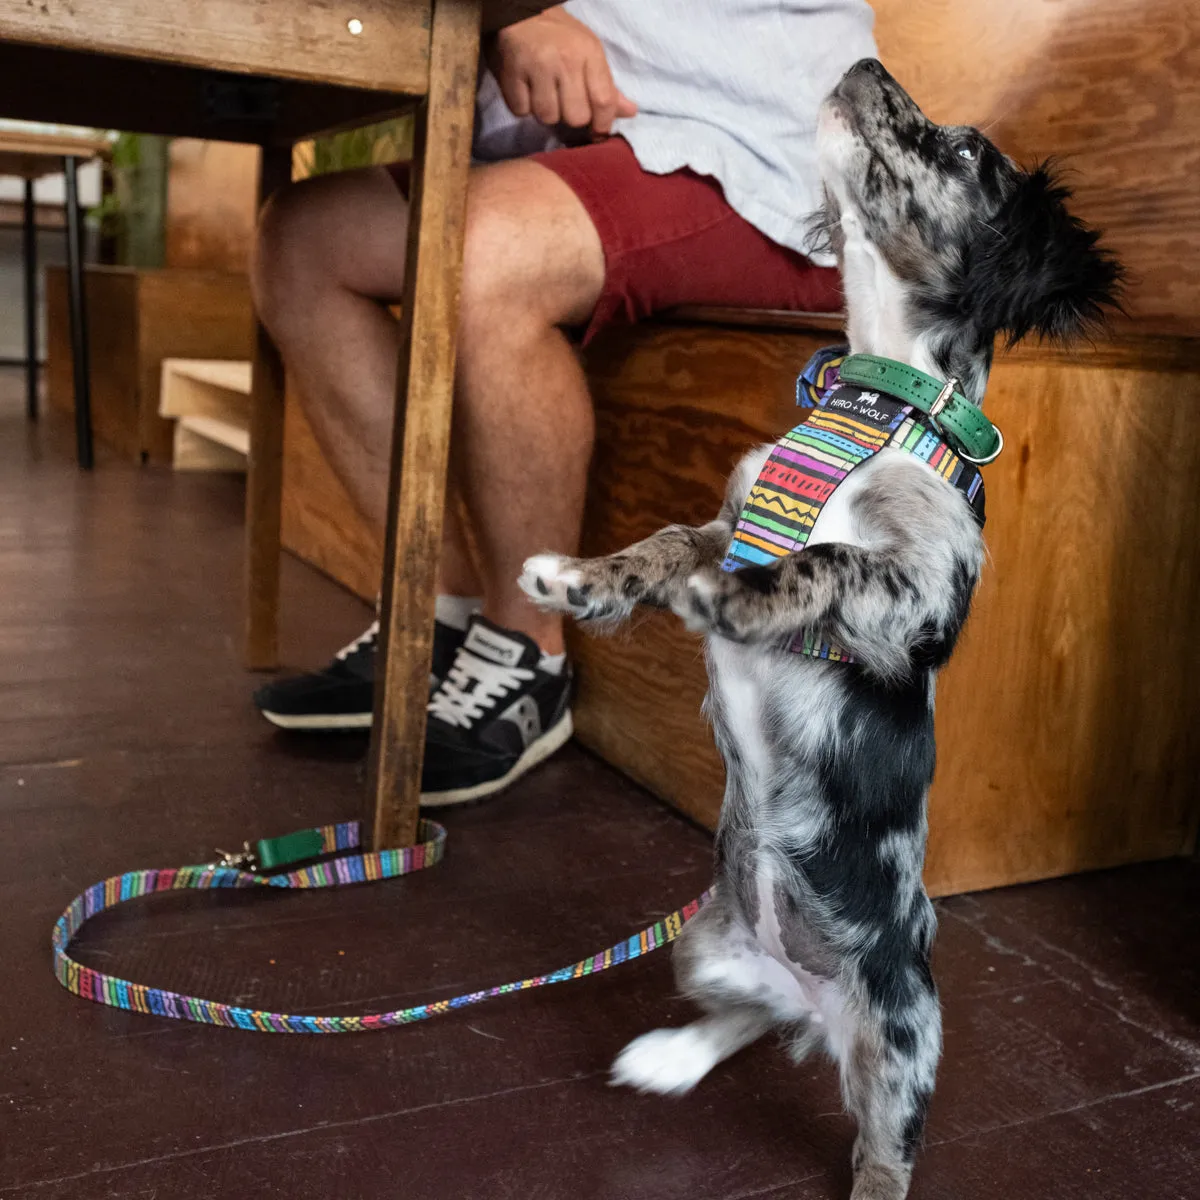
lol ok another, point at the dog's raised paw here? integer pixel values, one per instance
(699, 602)
(550, 582)
(668, 1062)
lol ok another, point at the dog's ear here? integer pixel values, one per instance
(1038, 269)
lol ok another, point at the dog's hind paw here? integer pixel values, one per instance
(668, 1062)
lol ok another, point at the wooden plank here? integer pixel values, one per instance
(320, 523)
(306, 40)
(71, 87)
(774, 319)
(264, 481)
(1112, 86)
(1067, 716)
(230, 434)
(56, 145)
(421, 441)
(225, 375)
(185, 314)
(197, 449)
(1065, 719)
(212, 195)
(112, 300)
(138, 318)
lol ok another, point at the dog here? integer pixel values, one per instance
(820, 926)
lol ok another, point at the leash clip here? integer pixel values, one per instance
(236, 860)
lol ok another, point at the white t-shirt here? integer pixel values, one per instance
(728, 88)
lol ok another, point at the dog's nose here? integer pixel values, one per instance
(868, 66)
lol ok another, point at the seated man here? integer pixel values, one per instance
(630, 157)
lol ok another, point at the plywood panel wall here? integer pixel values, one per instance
(1112, 86)
(211, 196)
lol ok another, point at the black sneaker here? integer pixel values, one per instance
(342, 696)
(494, 715)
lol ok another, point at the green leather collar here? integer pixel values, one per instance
(974, 437)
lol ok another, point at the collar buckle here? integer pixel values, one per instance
(944, 396)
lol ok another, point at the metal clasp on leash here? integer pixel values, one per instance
(236, 860)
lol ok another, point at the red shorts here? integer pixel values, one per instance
(672, 239)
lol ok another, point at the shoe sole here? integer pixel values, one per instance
(332, 722)
(553, 739)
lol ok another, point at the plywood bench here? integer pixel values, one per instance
(1066, 720)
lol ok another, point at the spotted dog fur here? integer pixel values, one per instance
(821, 927)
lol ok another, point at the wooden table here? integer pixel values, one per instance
(273, 72)
(31, 155)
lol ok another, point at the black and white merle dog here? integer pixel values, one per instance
(821, 927)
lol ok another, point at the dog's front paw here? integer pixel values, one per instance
(668, 1062)
(552, 581)
(568, 585)
(729, 604)
(704, 603)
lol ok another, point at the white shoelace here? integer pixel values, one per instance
(471, 686)
(363, 639)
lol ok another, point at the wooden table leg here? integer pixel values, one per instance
(31, 313)
(77, 306)
(264, 479)
(421, 441)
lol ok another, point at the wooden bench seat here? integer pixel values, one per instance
(1066, 718)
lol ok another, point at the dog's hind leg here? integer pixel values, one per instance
(742, 990)
(887, 1070)
(672, 1061)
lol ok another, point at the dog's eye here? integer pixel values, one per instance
(965, 150)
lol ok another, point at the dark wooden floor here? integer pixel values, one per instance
(127, 739)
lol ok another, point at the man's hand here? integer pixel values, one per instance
(554, 67)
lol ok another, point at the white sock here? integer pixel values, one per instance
(457, 611)
(552, 663)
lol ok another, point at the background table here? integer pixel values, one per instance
(273, 72)
(31, 155)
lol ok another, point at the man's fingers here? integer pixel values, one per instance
(543, 97)
(515, 90)
(625, 106)
(602, 92)
(574, 106)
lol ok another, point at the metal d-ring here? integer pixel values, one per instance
(995, 454)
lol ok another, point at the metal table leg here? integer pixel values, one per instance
(31, 316)
(78, 307)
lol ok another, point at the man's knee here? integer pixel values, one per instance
(530, 252)
(286, 256)
(342, 231)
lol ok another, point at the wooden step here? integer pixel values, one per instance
(209, 400)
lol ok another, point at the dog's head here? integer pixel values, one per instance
(979, 246)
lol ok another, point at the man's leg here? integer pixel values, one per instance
(523, 419)
(331, 256)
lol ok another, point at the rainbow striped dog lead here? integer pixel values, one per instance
(346, 869)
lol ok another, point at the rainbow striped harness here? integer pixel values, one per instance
(847, 425)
